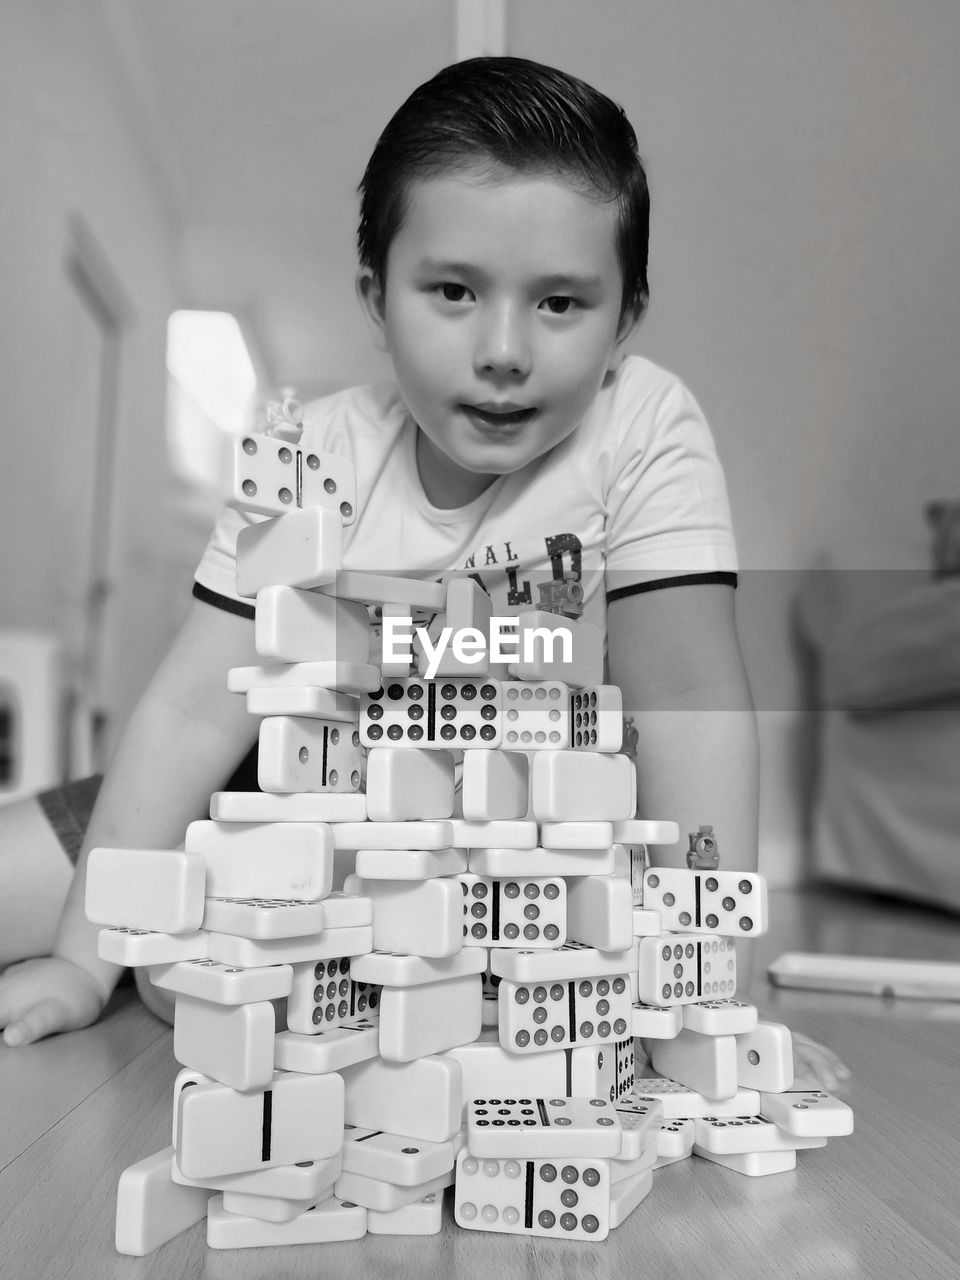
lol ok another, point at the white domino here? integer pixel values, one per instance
(576, 659)
(300, 1117)
(504, 833)
(292, 860)
(676, 970)
(392, 969)
(134, 948)
(374, 588)
(707, 1064)
(233, 1045)
(719, 1017)
(632, 861)
(536, 1128)
(653, 1022)
(304, 626)
(313, 807)
(304, 1181)
(572, 960)
(732, 903)
(577, 835)
(422, 1098)
(396, 1158)
(324, 995)
(534, 1017)
(151, 1208)
(328, 1049)
(270, 1208)
(422, 1218)
(596, 718)
(393, 835)
(765, 1057)
(329, 1220)
(218, 983)
(494, 785)
(386, 1196)
(247, 953)
(446, 714)
(417, 917)
(349, 677)
(564, 1199)
(754, 1164)
(679, 1102)
(301, 753)
(808, 1113)
(674, 1141)
(600, 912)
(737, 1135)
(270, 474)
(579, 786)
(536, 715)
(641, 1122)
(514, 912)
(646, 923)
(634, 831)
(299, 549)
(263, 918)
(157, 889)
(627, 1195)
(303, 700)
(500, 863)
(467, 606)
(429, 1018)
(410, 864)
(408, 784)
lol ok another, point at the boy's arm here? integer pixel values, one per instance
(675, 655)
(184, 738)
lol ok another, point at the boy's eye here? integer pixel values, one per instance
(454, 292)
(559, 304)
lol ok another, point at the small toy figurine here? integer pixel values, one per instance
(704, 851)
(562, 595)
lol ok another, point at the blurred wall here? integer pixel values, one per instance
(75, 161)
(804, 163)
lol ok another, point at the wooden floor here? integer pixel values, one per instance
(882, 1203)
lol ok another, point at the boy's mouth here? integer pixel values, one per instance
(494, 415)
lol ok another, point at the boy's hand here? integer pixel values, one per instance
(41, 997)
(813, 1061)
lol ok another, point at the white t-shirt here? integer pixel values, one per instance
(635, 495)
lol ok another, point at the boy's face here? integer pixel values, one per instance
(501, 313)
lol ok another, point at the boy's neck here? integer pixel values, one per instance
(446, 485)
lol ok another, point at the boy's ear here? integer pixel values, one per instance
(371, 302)
(625, 330)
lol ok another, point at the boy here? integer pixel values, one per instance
(503, 256)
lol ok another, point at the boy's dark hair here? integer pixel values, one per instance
(523, 116)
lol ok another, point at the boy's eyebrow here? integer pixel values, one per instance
(562, 280)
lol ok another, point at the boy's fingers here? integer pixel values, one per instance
(42, 1020)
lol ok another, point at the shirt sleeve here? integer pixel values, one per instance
(668, 516)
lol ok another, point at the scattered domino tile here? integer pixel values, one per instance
(680, 1102)
(373, 588)
(233, 1045)
(719, 1018)
(572, 960)
(422, 1099)
(270, 475)
(299, 549)
(303, 1181)
(157, 889)
(263, 918)
(640, 1122)
(685, 971)
(542, 1128)
(736, 1135)
(270, 1208)
(674, 1139)
(329, 1220)
(765, 1057)
(596, 718)
(582, 786)
(138, 947)
(627, 1195)
(705, 1063)
(303, 700)
(566, 1198)
(503, 833)
(151, 1208)
(755, 1164)
(632, 831)
(494, 785)
(372, 1193)
(808, 1113)
(249, 952)
(393, 969)
(324, 994)
(302, 753)
(430, 1017)
(348, 677)
(654, 1022)
(291, 625)
(393, 835)
(392, 1157)
(299, 865)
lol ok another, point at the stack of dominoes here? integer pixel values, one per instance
(465, 967)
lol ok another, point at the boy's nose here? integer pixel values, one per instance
(503, 346)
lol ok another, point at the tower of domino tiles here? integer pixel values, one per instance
(390, 980)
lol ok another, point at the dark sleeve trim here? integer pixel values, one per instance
(682, 580)
(239, 607)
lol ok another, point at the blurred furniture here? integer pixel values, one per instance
(886, 804)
